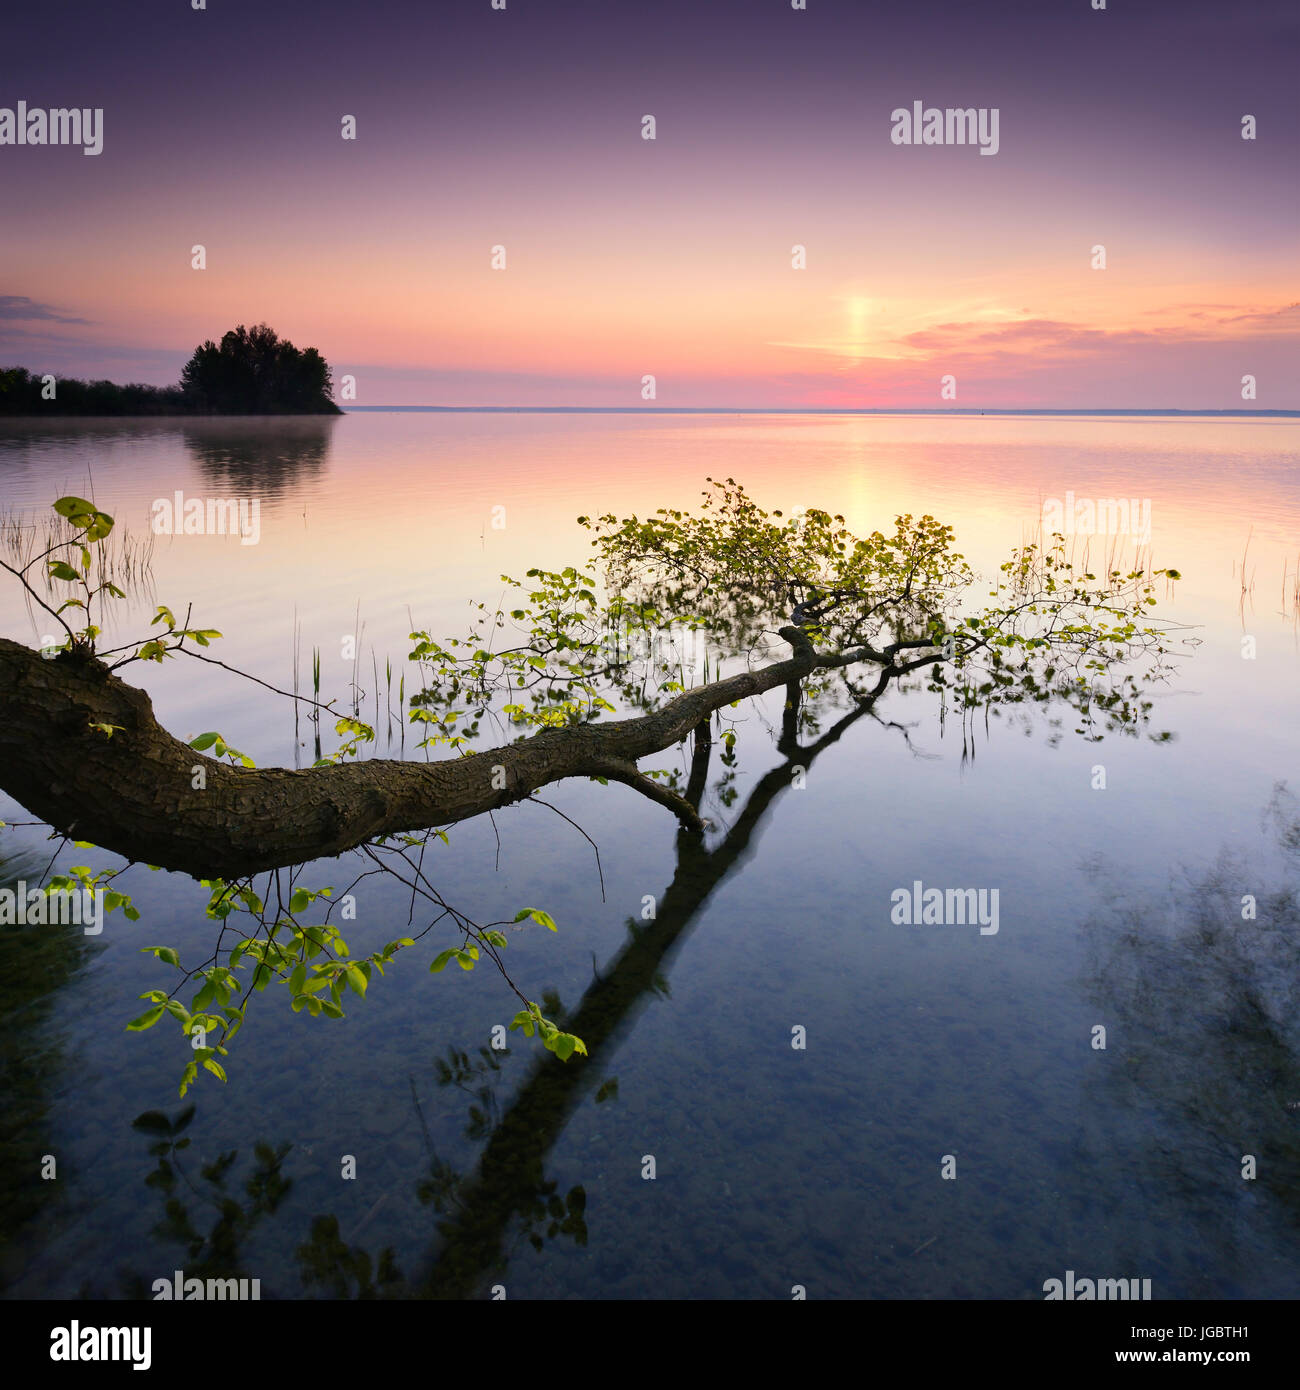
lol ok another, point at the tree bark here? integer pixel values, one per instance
(133, 792)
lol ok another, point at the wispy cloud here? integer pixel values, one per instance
(20, 309)
(1288, 317)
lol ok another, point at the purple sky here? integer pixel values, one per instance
(670, 258)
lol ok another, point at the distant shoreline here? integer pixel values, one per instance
(178, 415)
(965, 413)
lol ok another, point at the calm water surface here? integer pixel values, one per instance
(775, 1167)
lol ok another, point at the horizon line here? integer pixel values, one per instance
(809, 410)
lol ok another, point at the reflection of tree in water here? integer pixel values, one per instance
(543, 1214)
(339, 1270)
(35, 963)
(258, 455)
(507, 1197)
(213, 1253)
(1201, 1006)
(210, 1217)
(508, 1188)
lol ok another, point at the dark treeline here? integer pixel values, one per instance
(20, 394)
(250, 372)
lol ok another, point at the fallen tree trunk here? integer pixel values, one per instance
(134, 792)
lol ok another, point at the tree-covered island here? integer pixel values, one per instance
(252, 371)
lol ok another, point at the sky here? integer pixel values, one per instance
(671, 258)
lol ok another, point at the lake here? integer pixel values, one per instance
(928, 1049)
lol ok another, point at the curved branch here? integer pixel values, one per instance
(617, 770)
(144, 794)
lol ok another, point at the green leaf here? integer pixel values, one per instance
(526, 1019)
(537, 915)
(146, 1019)
(73, 507)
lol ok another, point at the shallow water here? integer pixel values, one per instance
(775, 1167)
